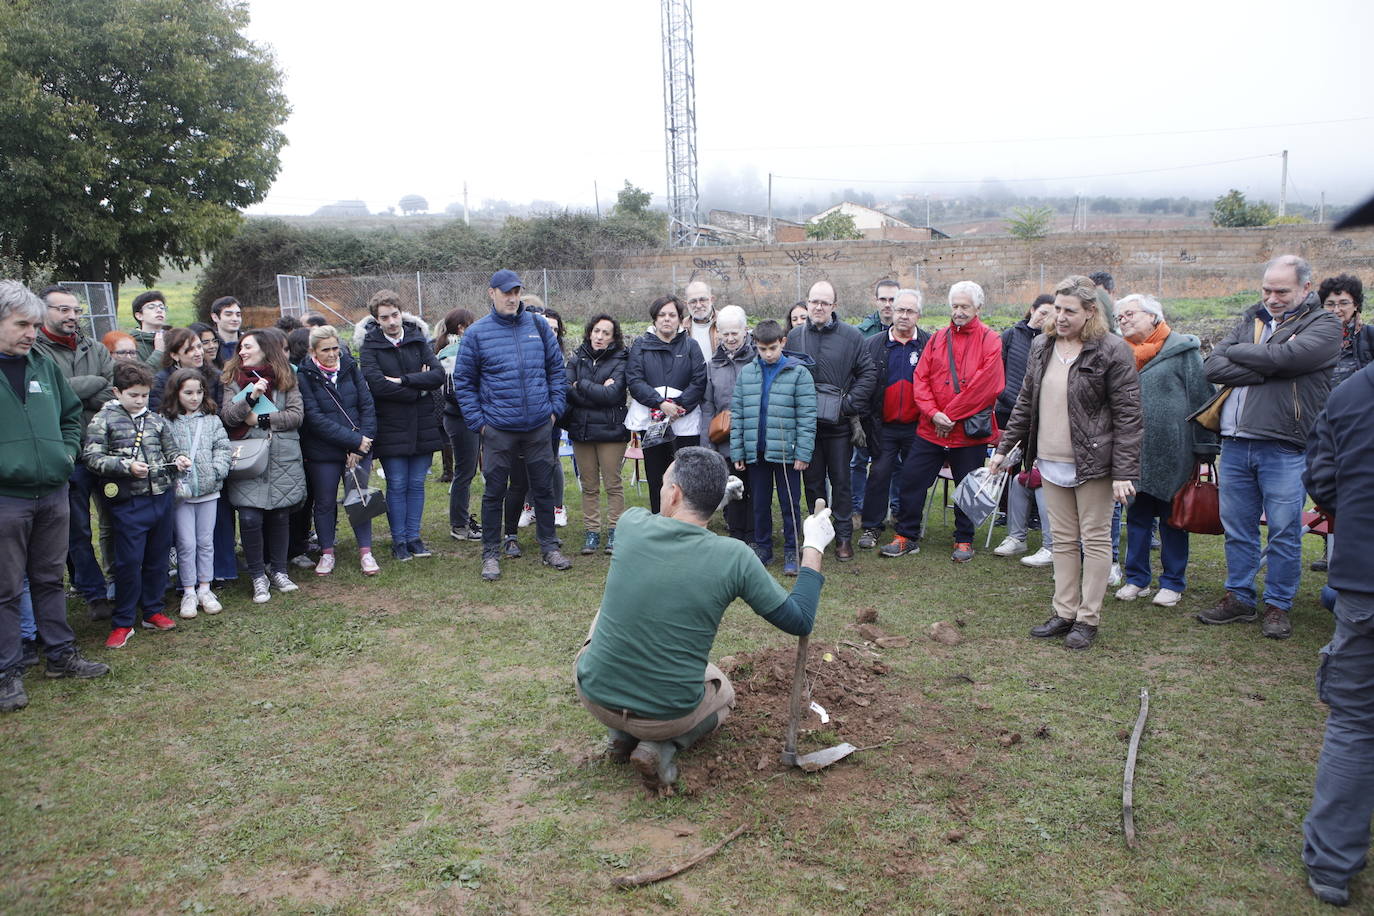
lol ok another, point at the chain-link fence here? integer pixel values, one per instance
(99, 311)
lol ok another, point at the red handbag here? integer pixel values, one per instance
(1197, 504)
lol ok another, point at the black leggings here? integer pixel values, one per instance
(264, 533)
(656, 461)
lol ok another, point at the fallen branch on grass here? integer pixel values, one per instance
(1128, 787)
(649, 877)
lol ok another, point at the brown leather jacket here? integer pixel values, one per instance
(1104, 408)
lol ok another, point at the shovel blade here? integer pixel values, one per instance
(813, 762)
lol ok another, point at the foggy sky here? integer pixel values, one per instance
(535, 100)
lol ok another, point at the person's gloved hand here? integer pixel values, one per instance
(734, 491)
(856, 433)
(817, 531)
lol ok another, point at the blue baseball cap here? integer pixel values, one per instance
(506, 280)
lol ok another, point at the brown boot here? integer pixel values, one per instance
(1276, 624)
(1228, 610)
(844, 550)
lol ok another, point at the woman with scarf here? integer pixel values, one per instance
(1343, 296)
(1172, 386)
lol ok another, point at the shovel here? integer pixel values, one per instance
(818, 759)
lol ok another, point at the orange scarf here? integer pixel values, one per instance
(1149, 348)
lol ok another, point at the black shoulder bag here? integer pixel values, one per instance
(978, 426)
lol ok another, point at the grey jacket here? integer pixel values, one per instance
(283, 483)
(89, 370)
(1289, 375)
(722, 371)
(209, 459)
(1172, 386)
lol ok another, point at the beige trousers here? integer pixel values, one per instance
(597, 463)
(1081, 514)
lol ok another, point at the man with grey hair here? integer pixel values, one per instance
(957, 381)
(701, 306)
(890, 424)
(734, 352)
(644, 671)
(40, 435)
(1275, 366)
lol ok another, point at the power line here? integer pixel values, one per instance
(919, 181)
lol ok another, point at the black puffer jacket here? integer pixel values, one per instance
(336, 416)
(840, 361)
(596, 411)
(676, 364)
(406, 423)
(1016, 345)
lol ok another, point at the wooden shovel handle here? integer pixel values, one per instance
(798, 677)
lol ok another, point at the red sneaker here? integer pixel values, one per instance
(159, 621)
(119, 637)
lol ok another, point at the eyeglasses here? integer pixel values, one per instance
(905, 312)
(75, 311)
(818, 302)
(699, 300)
(1127, 315)
(126, 353)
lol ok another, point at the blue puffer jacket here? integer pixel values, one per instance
(509, 373)
(336, 416)
(791, 421)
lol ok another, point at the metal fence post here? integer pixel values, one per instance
(1161, 277)
(674, 279)
(545, 271)
(419, 295)
(799, 292)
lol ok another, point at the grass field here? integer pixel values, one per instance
(412, 744)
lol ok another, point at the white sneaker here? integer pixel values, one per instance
(526, 516)
(188, 605)
(1167, 597)
(283, 582)
(560, 517)
(262, 593)
(326, 564)
(1129, 592)
(208, 602)
(1010, 547)
(1114, 578)
(1041, 557)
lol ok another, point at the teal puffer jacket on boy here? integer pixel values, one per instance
(790, 433)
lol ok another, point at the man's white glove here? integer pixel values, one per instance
(817, 531)
(734, 491)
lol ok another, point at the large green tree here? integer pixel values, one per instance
(131, 132)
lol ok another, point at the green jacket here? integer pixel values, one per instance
(89, 369)
(39, 437)
(145, 341)
(791, 422)
(1173, 385)
(873, 324)
(110, 442)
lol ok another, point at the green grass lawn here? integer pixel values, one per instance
(412, 743)
(181, 301)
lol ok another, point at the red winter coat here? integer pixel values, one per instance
(978, 356)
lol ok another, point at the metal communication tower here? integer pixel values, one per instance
(680, 122)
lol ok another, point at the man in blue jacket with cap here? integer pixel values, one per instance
(510, 382)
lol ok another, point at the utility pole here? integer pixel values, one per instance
(770, 208)
(1321, 209)
(597, 196)
(927, 211)
(467, 213)
(1283, 187)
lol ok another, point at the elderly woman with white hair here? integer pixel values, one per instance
(1172, 386)
(734, 351)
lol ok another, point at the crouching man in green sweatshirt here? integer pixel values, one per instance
(644, 671)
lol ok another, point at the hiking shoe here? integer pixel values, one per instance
(654, 762)
(71, 664)
(526, 517)
(1228, 610)
(610, 541)
(1129, 592)
(188, 605)
(282, 582)
(12, 695)
(1329, 893)
(1009, 547)
(1055, 626)
(469, 532)
(262, 590)
(1042, 557)
(556, 559)
(1081, 636)
(28, 656)
(900, 546)
(1276, 624)
(1114, 577)
(591, 543)
(101, 608)
(417, 548)
(159, 621)
(789, 563)
(207, 600)
(302, 561)
(869, 539)
(491, 569)
(844, 550)
(369, 564)
(400, 552)
(119, 637)
(764, 552)
(560, 517)
(511, 548)
(1166, 597)
(326, 564)
(963, 552)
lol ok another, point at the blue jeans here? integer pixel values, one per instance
(1262, 475)
(763, 475)
(1173, 544)
(858, 475)
(1336, 829)
(28, 628)
(87, 576)
(144, 533)
(1019, 500)
(325, 477)
(1116, 533)
(405, 494)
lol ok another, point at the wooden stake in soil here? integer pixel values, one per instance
(649, 877)
(1128, 788)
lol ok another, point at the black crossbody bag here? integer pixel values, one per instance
(978, 426)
